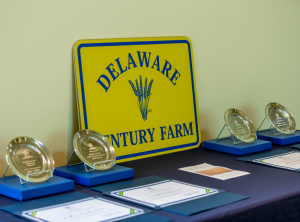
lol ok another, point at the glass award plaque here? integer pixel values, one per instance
(92, 161)
(280, 118)
(29, 159)
(94, 150)
(243, 139)
(239, 125)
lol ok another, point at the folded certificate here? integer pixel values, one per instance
(89, 209)
(216, 172)
(289, 161)
(164, 193)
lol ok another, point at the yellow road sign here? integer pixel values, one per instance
(140, 93)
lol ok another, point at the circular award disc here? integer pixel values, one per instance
(280, 118)
(240, 125)
(25, 155)
(92, 148)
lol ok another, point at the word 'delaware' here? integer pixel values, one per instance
(116, 68)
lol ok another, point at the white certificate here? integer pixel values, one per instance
(217, 172)
(290, 160)
(91, 209)
(164, 193)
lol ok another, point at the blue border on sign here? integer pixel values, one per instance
(138, 43)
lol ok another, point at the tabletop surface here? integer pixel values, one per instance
(274, 193)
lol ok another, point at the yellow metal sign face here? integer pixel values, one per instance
(139, 93)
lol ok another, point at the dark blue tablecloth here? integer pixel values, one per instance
(274, 193)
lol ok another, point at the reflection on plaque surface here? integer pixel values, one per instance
(240, 125)
(29, 159)
(94, 149)
(280, 118)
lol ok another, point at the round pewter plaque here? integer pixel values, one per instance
(280, 118)
(27, 156)
(94, 149)
(240, 125)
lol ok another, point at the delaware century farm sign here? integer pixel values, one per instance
(139, 93)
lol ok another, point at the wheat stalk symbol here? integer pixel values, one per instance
(143, 94)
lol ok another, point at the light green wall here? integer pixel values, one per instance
(246, 54)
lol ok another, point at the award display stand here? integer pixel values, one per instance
(22, 189)
(88, 176)
(276, 137)
(236, 146)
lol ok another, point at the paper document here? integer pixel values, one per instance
(90, 209)
(217, 172)
(165, 193)
(290, 160)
